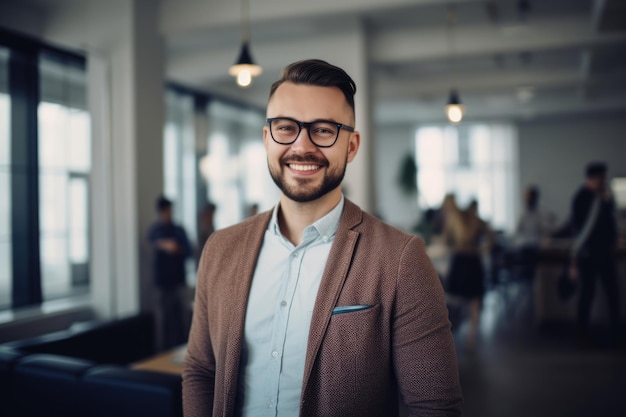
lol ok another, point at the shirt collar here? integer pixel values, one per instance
(326, 226)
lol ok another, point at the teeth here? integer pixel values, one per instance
(304, 167)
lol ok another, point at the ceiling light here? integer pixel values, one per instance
(454, 108)
(244, 68)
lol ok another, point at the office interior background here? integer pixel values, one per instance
(104, 105)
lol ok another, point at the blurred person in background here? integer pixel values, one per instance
(171, 248)
(593, 208)
(534, 226)
(468, 237)
(206, 226)
(254, 210)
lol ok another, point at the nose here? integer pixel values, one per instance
(303, 141)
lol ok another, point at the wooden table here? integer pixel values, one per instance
(549, 307)
(170, 361)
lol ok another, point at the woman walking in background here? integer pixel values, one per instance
(467, 235)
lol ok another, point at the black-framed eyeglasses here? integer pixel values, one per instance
(323, 133)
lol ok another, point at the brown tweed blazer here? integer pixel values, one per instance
(357, 362)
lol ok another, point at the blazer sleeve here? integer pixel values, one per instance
(424, 355)
(199, 367)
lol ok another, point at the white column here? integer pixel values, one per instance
(102, 263)
(352, 56)
(126, 99)
(149, 118)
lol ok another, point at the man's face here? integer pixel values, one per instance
(597, 183)
(166, 214)
(301, 170)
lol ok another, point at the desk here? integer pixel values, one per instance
(170, 361)
(549, 307)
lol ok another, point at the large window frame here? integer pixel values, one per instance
(22, 84)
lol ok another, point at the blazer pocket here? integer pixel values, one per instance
(350, 309)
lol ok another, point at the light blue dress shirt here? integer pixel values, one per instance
(280, 305)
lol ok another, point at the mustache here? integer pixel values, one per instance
(307, 159)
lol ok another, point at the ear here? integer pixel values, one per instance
(266, 136)
(353, 145)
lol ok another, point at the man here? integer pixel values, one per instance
(317, 308)
(593, 208)
(171, 249)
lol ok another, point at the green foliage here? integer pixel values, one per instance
(407, 176)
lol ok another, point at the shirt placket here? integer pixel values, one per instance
(281, 319)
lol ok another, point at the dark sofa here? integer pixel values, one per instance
(83, 371)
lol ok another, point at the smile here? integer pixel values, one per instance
(298, 167)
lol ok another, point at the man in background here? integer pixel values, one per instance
(593, 207)
(170, 250)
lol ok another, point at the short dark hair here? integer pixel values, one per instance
(319, 73)
(162, 203)
(533, 195)
(595, 170)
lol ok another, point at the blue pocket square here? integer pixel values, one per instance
(350, 309)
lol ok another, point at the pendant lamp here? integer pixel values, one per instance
(244, 68)
(454, 108)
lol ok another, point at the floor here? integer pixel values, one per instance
(519, 368)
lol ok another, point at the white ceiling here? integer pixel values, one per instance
(509, 59)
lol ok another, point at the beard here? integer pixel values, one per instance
(304, 190)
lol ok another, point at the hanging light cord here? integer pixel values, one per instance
(452, 17)
(245, 20)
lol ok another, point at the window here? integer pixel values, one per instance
(235, 166)
(64, 164)
(213, 152)
(5, 185)
(473, 161)
(45, 151)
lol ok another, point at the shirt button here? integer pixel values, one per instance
(283, 303)
(268, 404)
(295, 254)
(274, 354)
(325, 238)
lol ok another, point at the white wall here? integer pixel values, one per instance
(553, 154)
(392, 144)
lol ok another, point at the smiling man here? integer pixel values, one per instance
(316, 308)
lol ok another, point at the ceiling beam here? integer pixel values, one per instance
(414, 45)
(484, 82)
(174, 18)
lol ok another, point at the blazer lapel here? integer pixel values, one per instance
(334, 276)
